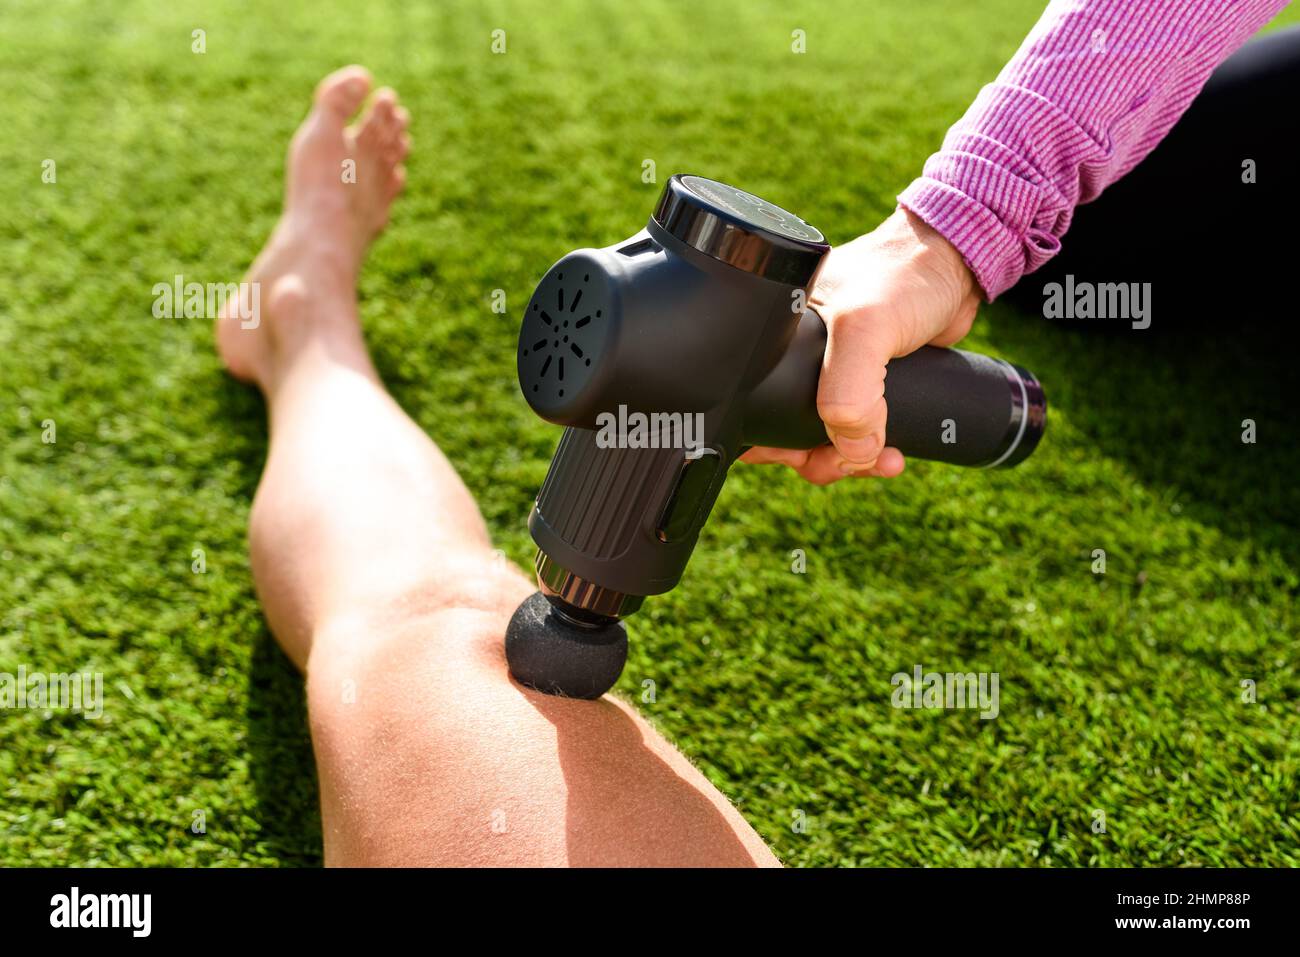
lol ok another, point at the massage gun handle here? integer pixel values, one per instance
(946, 405)
(949, 405)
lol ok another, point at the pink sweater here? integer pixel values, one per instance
(1091, 91)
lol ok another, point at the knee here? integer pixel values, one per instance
(416, 729)
(470, 591)
(361, 662)
(375, 668)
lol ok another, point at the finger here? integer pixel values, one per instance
(823, 466)
(890, 465)
(851, 393)
(762, 455)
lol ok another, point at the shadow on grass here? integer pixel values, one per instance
(1170, 401)
(281, 765)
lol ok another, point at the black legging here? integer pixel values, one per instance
(1212, 246)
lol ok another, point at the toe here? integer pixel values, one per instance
(383, 109)
(380, 119)
(341, 93)
(398, 180)
(397, 149)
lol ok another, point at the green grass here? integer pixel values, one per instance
(1119, 692)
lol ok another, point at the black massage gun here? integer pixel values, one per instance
(666, 356)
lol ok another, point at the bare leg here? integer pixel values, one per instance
(378, 579)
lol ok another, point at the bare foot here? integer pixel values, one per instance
(341, 181)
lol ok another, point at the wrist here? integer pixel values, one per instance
(932, 253)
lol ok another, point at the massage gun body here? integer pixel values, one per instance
(683, 336)
(698, 315)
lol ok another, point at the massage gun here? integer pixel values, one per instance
(696, 325)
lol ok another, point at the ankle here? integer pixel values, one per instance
(313, 349)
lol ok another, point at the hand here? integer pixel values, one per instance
(883, 295)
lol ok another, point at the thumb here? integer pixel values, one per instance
(851, 393)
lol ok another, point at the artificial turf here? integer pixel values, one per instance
(1120, 692)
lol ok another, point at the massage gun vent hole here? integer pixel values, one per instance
(559, 314)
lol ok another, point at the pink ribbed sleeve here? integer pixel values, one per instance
(1091, 91)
